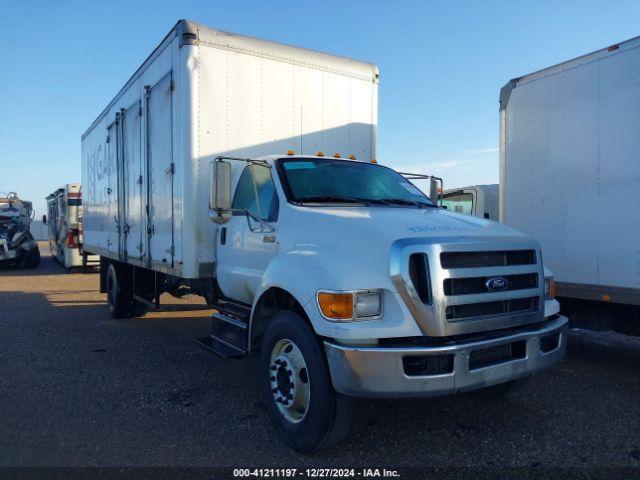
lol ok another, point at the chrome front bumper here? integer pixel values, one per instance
(381, 371)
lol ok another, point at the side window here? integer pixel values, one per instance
(256, 193)
(459, 203)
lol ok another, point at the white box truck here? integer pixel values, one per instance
(64, 220)
(570, 178)
(338, 272)
(477, 200)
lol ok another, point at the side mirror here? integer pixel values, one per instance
(44, 219)
(219, 191)
(433, 191)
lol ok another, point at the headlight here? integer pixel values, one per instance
(368, 304)
(549, 288)
(349, 306)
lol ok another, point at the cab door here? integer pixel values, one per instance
(248, 241)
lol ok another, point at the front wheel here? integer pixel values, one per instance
(296, 386)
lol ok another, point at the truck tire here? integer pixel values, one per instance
(296, 386)
(119, 295)
(31, 259)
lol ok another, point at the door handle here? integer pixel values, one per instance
(269, 239)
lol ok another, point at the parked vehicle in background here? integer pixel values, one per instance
(477, 200)
(64, 221)
(339, 273)
(570, 177)
(18, 248)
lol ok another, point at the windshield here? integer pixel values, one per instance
(347, 181)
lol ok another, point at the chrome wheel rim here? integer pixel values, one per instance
(289, 380)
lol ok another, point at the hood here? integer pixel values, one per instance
(392, 223)
(353, 244)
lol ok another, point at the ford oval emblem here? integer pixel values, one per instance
(496, 283)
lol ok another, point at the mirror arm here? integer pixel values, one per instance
(262, 163)
(267, 228)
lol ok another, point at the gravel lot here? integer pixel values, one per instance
(80, 389)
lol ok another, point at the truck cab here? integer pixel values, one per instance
(477, 200)
(355, 284)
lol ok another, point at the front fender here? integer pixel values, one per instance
(291, 273)
(302, 274)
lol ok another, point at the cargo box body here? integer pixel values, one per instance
(570, 170)
(203, 93)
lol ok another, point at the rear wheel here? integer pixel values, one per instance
(119, 295)
(296, 386)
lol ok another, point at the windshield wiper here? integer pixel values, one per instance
(402, 201)
(331, 198)
(365, 201)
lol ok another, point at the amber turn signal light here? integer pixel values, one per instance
(336, 306)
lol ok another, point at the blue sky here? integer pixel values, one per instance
(442, 64)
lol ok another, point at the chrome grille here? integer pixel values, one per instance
(465, 286)
(518, 305)
(487, 259)
(448, 284)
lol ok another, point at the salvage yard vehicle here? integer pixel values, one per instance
(18, 248)
(570, 177)
(341, 275)
(477, 200)
(64, 222)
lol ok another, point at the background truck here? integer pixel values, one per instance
(340, 274)
(570, 177)
(18, 248)
(65, 231)
(477, 200)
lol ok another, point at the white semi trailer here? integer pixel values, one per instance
(570, 177)
(339, 273)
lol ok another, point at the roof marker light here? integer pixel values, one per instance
(319, 154)
(290, 152)
(352, 156)
(373, 160)
(337, 155)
